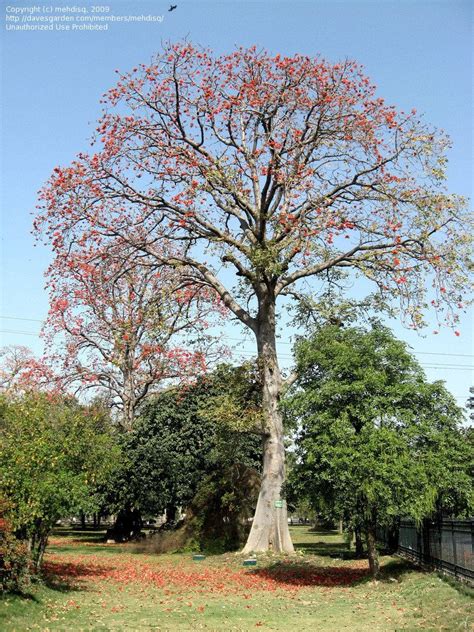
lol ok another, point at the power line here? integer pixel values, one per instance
(441, 353)
(464, 367)
(282, 355)
(33, 320)
(459, 355)
(23, 333)
(287, 356)
(279, 342)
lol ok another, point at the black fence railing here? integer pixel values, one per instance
(445, 545)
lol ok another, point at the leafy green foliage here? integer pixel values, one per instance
(376, 440)
(53, 453)
(14, 558)
(182, 452)
(234, 402)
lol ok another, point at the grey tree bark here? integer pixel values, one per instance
(270, 524)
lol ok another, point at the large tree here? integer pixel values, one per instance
(376, 441)
(266, 172)
(122, 329)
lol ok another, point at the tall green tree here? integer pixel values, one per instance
(53, 454)
(375, 439)
(195, 447)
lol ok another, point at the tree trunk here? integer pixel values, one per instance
(128, 414)
(372, 550)
(128, 525)
(37, 544)
(270, 524)
(171, 513)
(391, 537)
(41, 548)
(359, 546)
(128, 395)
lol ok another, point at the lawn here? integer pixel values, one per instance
(94, 586)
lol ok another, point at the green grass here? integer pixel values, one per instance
(93, 586)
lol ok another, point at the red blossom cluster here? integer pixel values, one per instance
(21, 371)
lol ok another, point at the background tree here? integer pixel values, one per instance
(21, 371)
(182, 454)
(15, 360)
(376, 441)
(267, 171)
(123, 330)
(53, 453)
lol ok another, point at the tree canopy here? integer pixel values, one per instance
(376, 441)
(53, 454)
(123, 331)
(182, 454)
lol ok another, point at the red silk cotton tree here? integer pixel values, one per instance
(113, 327)
(273, 171)
(21, 372)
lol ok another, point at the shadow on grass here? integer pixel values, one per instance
(400, 566)
(92, 538)
(49, 578)
(322, 542)
(462, 587)
(91, 549)
(80, 535)
(16, 594)
(62, 585)
(294, 574)
(396, 569)
(68, 577)
(327, 549)
(301, 574)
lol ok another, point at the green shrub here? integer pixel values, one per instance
(14, 558)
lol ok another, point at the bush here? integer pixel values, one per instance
(14, 558)
(54, 453)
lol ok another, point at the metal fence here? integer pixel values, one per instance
(445, 545)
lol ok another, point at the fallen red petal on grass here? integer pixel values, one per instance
(209, 580)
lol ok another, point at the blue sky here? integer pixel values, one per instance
(418, 53)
